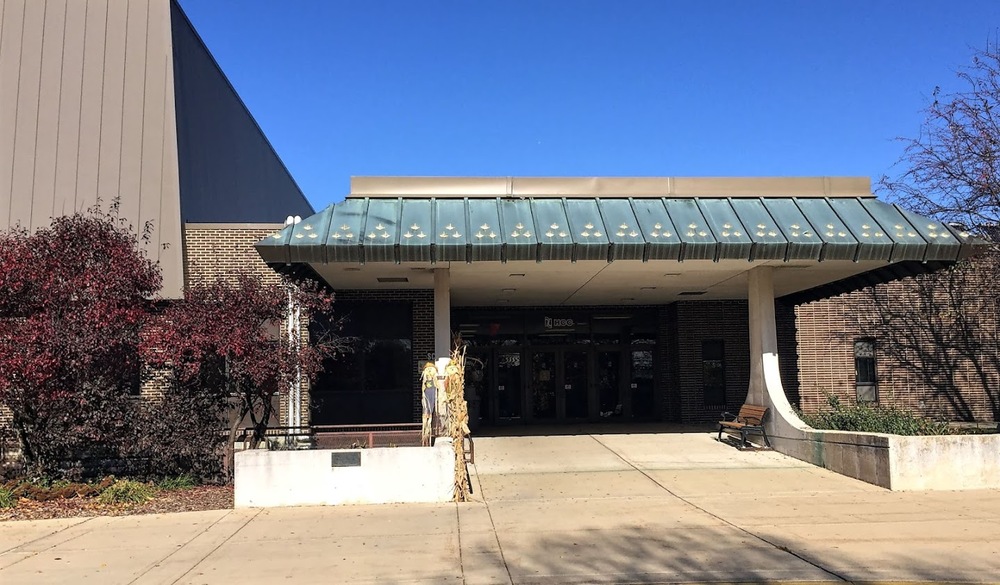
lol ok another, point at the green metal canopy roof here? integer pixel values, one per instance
(400, 230)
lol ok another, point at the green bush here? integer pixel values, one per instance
(126, 491)
(179, 482)
(7, 498)
(872, 418)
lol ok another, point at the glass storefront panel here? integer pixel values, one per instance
(508, 388)
(543, 384)
(608, 377)
(641, 385)
(575, 384)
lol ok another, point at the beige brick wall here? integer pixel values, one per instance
(826, 331)
(215, 250)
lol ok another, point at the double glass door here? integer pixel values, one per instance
(564, 384)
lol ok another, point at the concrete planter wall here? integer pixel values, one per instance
(345, 476)
(951, 462)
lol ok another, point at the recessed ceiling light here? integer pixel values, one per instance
(352, 269)
(508, 291)
(390, 279)
(647, 288)
(691, 293)
(672, 274)
(513, 274)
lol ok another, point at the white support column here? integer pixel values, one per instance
(765, 376)
(442, 312)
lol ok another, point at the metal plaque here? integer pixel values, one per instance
(345, 459)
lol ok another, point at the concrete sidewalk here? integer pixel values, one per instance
(647, 508)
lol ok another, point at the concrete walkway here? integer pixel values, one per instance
(640, 508)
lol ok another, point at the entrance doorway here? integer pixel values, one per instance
(561, 384)
(549, 366)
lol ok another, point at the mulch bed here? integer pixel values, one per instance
(206, 497)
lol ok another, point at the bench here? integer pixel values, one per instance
(750, 420)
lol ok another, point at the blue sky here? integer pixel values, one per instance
(645, 88)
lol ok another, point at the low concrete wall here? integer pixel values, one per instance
(309, 478)
(950, 462)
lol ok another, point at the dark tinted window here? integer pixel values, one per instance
(713, 368)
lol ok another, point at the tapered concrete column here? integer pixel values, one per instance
(442, 312)
(765, 376)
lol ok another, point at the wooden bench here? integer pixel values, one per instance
(750, 420)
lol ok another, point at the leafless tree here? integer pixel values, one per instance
(943, 327)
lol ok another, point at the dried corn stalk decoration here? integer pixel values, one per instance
(458, 419)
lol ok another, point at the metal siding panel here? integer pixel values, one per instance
(699, 242)
(587, 229)
(652, 218)
(616, 213)
(558, 241)
(887, 218)
(382, 230)
(803, 242)
(92, 92)
(275, 248)
(417, 230)
(10, 65)
(309, 238)
(734, 242)
(942, 242)
(229, 170)
(43, 197)
(768, 241)
(130, 169)
(109, 166)
(25, 136)
(485, 230)
(346, 231)
(873, 244)
(515, 213)
(451, 218)
(68, 139)
(839, 243)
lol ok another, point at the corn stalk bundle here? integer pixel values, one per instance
(458, 419)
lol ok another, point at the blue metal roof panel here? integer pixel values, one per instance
(382, 230)
(696, 235)
(838, 241)
(768, 241)
(619, 221)
(734, 242)
(587, 229)
(655, 228)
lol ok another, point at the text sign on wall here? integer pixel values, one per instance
(345, 459)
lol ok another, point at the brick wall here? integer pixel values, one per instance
(827, 329)
(703, 320)
(215, 250)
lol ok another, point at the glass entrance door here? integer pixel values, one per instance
(608, 380)
(508, 384)
(543, 384)
(576, 383)
(641, 384)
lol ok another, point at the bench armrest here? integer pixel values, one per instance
(730, 416)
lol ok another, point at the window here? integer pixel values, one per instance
(713, 371)
(865, 380)
(372, 383)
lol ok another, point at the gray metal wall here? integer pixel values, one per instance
(228, 170)
(87, 111)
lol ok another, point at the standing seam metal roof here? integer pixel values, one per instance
(400, 230)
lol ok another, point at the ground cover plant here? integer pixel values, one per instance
(872, 418)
